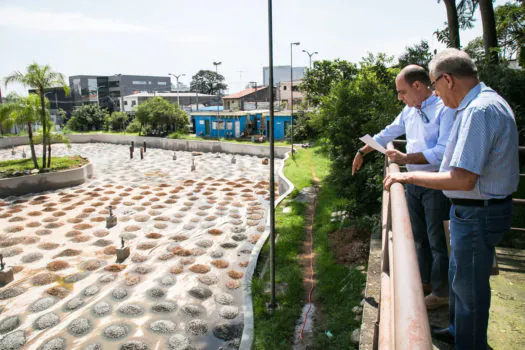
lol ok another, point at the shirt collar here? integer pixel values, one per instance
(470, 96)
(429, 101)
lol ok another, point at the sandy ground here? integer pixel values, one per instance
(190, 234)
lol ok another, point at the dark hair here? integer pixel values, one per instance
(415, 73)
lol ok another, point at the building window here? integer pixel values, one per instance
(138, 82)
(229, 125)
(214, 125)
(284, 87)
(125, 103)
(161, 83)
(149, 82)
(133, 103)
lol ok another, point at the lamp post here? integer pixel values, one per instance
(216, 64)
(273, 303)
(178, 92)
(310, 54)
(291, 91)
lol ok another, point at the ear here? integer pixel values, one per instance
(416, 84)
(450, 80)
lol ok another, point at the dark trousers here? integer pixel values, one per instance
(428, 209)
(474, 233)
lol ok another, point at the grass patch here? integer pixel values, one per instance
(275, 330)
(338, 287)
(71, 132)
(8, 168)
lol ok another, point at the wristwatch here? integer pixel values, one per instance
(360, 152)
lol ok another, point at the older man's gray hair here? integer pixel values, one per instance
(454, 62)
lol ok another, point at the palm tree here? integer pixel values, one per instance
(40, 78)
(6, 117)
(26, 111)
(453, 23)
(460, 15)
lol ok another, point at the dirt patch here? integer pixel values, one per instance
(350, 245)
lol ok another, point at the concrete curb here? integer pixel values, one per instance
(248, 330)
(368, 331)
(163, 143)
(17, 186)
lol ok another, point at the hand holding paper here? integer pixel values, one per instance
(372, 143)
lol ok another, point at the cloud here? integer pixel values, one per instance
(20, 18)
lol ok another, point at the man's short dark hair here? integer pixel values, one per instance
(414, 73)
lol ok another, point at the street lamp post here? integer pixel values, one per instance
(178, 91)
(216, 64)
(310, 54)
(291, 91)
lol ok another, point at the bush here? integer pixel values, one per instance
(115, 121)
(134, 126)
(86, 118)
(159, 117)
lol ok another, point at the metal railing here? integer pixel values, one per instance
(403, 320)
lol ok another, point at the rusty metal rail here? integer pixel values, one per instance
(403, 320)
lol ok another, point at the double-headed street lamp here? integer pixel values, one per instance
(291, 90)
(178, 91)
(310, 54)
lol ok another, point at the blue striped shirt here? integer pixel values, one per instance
(484, 141)
(426, 131)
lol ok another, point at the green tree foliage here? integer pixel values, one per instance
(303, 130)
(159, 117)
(86, 118)
(325, 74)
(134, 126)
(116, 121)
(28, 110)
(510, 27)
(41, 78)
(364, 104)
(6, 117)
(416, 54)
(207, 82)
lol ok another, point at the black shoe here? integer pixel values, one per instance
(442, 334)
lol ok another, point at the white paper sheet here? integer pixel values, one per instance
(372, 143)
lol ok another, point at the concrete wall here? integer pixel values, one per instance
(17, 186)
(168, 144)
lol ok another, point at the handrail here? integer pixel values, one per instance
(403, 321)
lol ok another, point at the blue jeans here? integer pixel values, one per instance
(428, 209)
(474, 233)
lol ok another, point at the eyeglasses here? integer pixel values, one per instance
(432, 86)
(423, 116)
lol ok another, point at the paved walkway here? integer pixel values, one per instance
(507, 312)
(190, 233)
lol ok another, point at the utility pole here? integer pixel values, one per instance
(240, 78)
(291, 91)
(254, 85)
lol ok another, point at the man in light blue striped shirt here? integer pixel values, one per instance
(426, 122)
(479, 173)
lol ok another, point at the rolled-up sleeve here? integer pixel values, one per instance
(396, 129)
(434, 155)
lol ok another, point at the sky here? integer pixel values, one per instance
(157, 37)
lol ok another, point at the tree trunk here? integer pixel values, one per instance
(453, 23)
(31, 144)
(490, 37)
(49, 155)
(43, 121)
